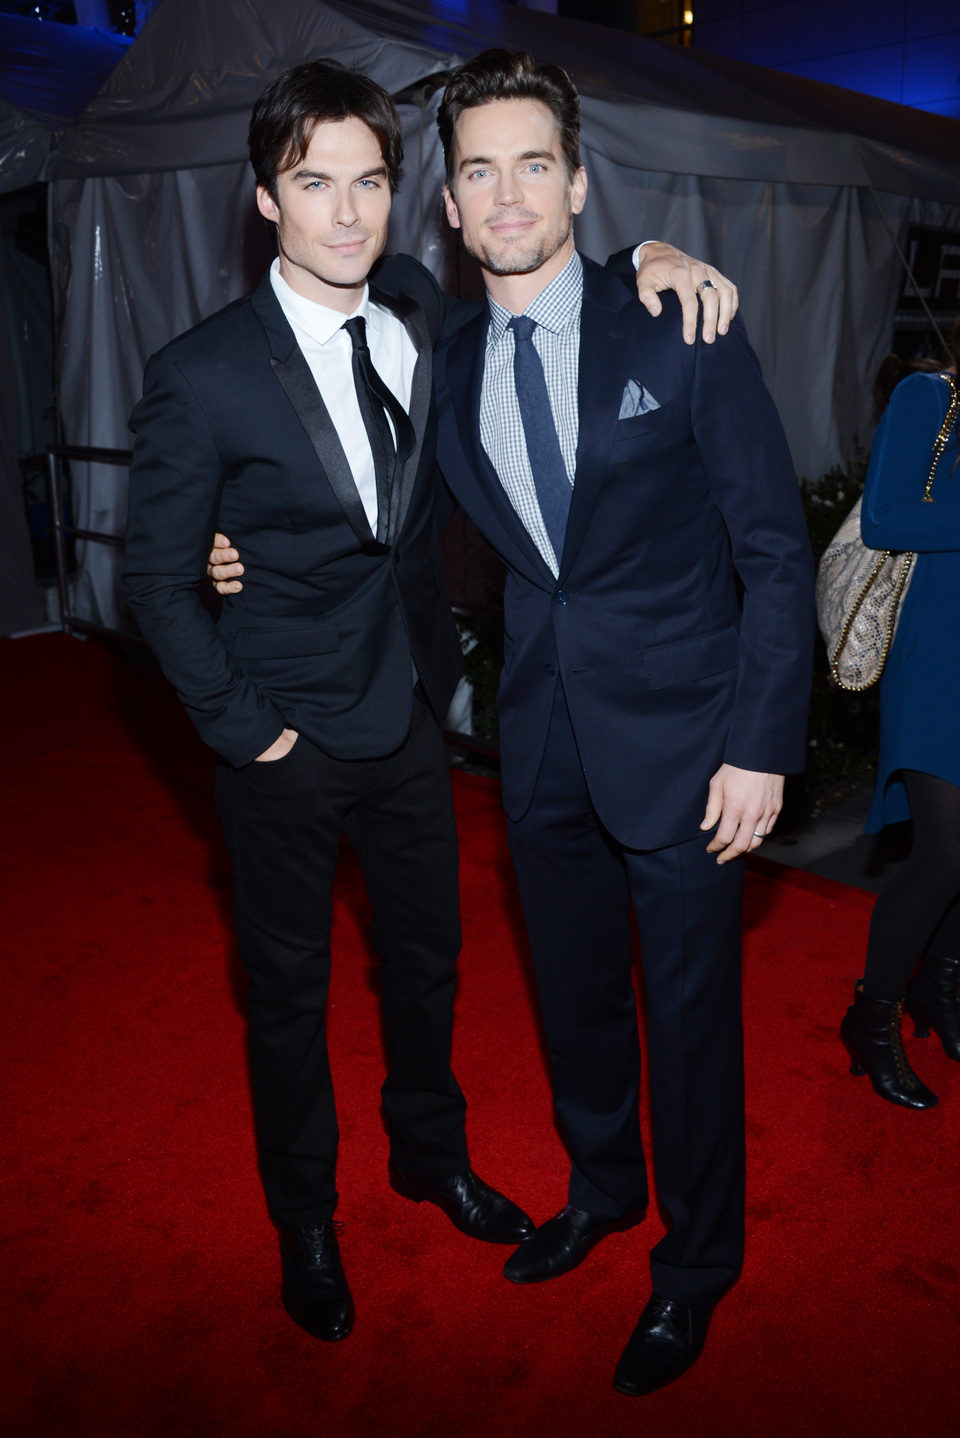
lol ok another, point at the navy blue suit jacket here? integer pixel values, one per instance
(667, 670)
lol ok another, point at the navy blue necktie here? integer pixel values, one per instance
(543, 446)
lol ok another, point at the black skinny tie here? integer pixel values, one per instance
(543, 446)
(375, 401)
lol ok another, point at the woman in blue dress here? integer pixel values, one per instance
(917, 914)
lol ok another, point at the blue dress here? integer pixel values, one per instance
(920, 688)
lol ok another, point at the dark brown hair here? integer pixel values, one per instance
(892, 370)
(296, 102)
(498, 75)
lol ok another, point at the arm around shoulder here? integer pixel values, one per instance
(444, 313)
(698, 286)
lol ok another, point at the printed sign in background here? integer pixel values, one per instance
(934, 258)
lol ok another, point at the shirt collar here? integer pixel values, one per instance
(318, 322)
(554, 308)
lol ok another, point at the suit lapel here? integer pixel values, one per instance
(496, 516)
(296, 379)
(421, 392)
(294, 375)
(605, 344)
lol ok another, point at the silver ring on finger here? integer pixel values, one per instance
(757, 834)
(706, 285)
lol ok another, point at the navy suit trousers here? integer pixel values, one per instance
(577, 886)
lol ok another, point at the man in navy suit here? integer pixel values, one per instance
(300, 418)
(658, 637)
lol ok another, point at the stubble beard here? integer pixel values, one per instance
(517, 261)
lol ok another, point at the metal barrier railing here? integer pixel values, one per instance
(70, 622)
(61, 531)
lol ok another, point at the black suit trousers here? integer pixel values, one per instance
(577, 886)
(283, 822)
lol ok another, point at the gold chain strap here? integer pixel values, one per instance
(882, 556)
(940, 443)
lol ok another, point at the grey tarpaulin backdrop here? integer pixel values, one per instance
(778, 180)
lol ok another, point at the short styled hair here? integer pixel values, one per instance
(295, 103)
(500, 75)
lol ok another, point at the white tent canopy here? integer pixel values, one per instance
(791, 187)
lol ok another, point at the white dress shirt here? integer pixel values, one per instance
(328, 351)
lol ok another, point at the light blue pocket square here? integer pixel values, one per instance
(636, 400)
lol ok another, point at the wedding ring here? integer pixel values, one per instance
(757, 834)
(706, 285)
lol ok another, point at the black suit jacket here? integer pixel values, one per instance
(683, 481)
(232, 433)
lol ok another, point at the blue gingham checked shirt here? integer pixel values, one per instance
(556, 311)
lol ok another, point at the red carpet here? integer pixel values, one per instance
(140, 1272)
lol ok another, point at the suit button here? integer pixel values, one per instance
(550, 669)
(561, 597)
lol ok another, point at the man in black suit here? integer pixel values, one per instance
(321, 694)
(300, 420)
(629, 481)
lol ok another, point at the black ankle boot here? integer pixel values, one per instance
(871, 1032)
(933, 999)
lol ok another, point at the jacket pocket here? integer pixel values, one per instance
(684, 660)
(286, 640)
(638, 426)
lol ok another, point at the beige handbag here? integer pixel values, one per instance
(860, 590)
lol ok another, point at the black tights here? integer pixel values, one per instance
(919, 906)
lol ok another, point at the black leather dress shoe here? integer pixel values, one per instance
(665, 1343)
(561, 1243)
(315, 1292)
(470, 1204)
